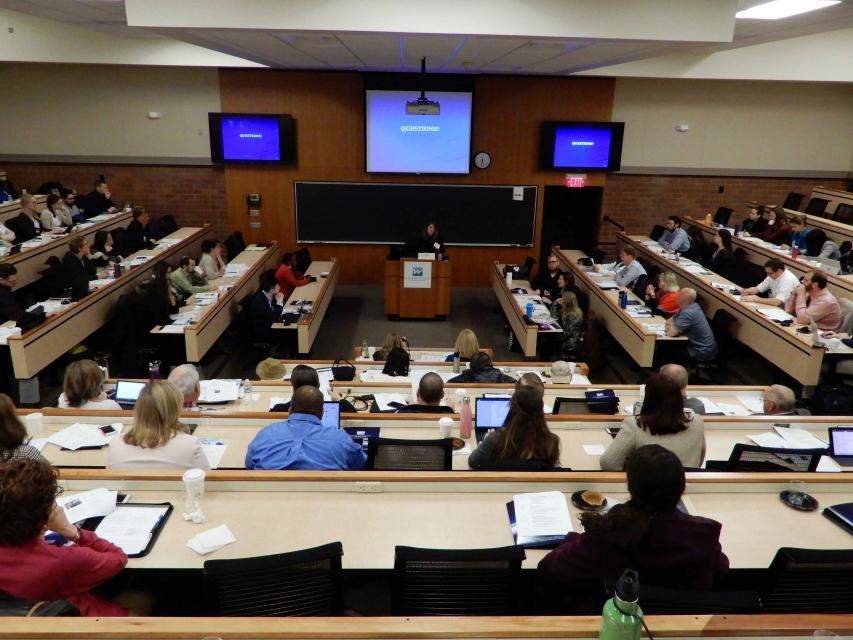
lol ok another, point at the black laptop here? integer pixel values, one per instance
(362, 435)
(841, 445)
(490, 415)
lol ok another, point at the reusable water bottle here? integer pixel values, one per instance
(154, 371)
(529, 310)
(623, 299)
(465, 419)
(365, 350)
(622, 618)
(456, 367)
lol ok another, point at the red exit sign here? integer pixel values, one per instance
(575, 180)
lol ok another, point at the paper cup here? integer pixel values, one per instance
(194, 482)
(444, 427)
(35, 424)
(509, 278)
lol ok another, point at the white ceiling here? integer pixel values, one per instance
(524, 51)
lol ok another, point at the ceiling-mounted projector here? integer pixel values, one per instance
(423, 106)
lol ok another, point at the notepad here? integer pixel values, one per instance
(78, 436)
(383, 400)
(774, 313)
(541, 514)
(755, 405)
(131, 527)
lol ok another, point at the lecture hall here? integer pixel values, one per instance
(453, 320)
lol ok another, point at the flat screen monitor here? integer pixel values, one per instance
(396, 142)
(581, 146)
(246, 137)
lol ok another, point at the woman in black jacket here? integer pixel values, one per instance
(481, 371)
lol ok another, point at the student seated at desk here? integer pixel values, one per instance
(13, 434)
(98, 200)
(723, 261)
(679, 376)
(647, 533)
(301, 376)
(69, 203)
(429, 396)
(185, 378)
(302, 442)
(103, 253)
(779, 282)
(159, 298)
(136, 234)
(211, 262)
(186, 278)
(626, 270)
(392, 341)
(674, 238)
(78, 268)
(288, 277)
(54, 215)
(28, 222)
(779, 400)
(811, 301)
(157, 439)
(266, 308)
(465, 348)
(754, 223)
(819, 246)
(690, 321)
(662, 420)
(524, 442)
(9, 307)
(777, 230)
(83, 388)
(664, 298)
(570, 317)
(31, 569)
(545, 283)
(481, 371)
(799, 233)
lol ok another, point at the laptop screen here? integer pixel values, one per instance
(841, 439)
(362, 435)
(127, 391)
(331, 415)
(491, 412)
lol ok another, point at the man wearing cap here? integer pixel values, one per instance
(429, 396)
(302, 442)
(561, 372)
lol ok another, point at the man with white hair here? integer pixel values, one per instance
(690, 321)
(185, 377)
(678, 375)
(779, 400)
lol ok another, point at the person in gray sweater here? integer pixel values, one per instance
(662, 420)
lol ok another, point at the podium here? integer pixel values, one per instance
(417, 288)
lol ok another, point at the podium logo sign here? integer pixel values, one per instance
(417, 275)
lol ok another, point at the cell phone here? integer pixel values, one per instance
(612, 431)
(108, 429)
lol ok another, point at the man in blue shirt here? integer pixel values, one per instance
(626, 270)
(690, 321)
(674, 238)
(302, 442)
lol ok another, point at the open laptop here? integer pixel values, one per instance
(490, 415)
(841, 445)
(127, 391)
(331, 414)
(362, 435)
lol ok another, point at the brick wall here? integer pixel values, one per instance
(641, 201)
(193, 194)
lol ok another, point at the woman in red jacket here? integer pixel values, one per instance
(31, 569)
(288, 277)
(648, 533)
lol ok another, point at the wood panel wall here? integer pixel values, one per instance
(329, 112)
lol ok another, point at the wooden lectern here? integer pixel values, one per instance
(402, 300)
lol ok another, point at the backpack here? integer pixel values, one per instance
(833, 400)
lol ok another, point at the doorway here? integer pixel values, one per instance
(570, 218)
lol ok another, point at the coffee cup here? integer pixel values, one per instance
(445, 425)
(35, 424)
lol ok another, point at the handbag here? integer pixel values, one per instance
(343, 370)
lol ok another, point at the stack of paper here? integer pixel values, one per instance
(788, 438)
(88, 504)
(131, 527)
(655, 328)
(753, 403)
(711, 407)
(235, 269)
(219, 391)
(79, 435)
(211, 540)
(541, 517)
(732, 409)
(607, 284)
(5, 332)
(167, 242)
(774, 313)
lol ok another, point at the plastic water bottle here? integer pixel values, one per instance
(365, 349)
(466, 419)
(456, 366)
(247, 390)
(622, 618)
(529, 310)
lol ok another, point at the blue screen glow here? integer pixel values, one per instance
(250, 138)
(582, 146)
(400, 143)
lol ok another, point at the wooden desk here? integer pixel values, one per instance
(320, 293)
(29, 262)
(215, 318)
(415, 302)
(526, 334)
(419, 355)
(783, 346)
(628, 331)
(276, 512)
(34, 350)
(759, 251)
(12, 208)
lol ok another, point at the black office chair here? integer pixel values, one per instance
(234, 244)
(722, 325)
(748, 457)
(640, 284)
(455, 582)
(817, 207)
(656, 232)
(55, 281)
(810, 581)
(303, 259)
(167, 224)
(389, 454)
(300, 583)
(843, 213)
(119, 236)
(16, 608)
(793, 201)
(723, 216)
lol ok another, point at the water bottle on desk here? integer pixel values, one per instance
(154, 371)
(466, 419)
(623, 300)
(528, 311)
(622, 618)
(247, 390)
(365, 350)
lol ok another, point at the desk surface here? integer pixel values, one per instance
(319, 294)
(514, 302)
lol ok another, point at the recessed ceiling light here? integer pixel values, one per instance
(777, 9)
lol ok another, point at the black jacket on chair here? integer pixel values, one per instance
(78, 268)
(9, 308)
(25, 228)
(135, 239)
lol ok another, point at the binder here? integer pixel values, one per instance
(93, 523)
(842, 515)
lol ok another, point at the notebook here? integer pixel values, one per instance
(842, 515)
(490, 415)
(127, 391)
(841, 445)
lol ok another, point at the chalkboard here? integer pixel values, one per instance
(386, 213)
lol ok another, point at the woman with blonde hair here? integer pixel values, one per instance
(466, 347)
(157, 440)
(664, 298)
(392, 341)
(13, 434)
(83, 387)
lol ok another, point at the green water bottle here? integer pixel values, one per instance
(621, 618)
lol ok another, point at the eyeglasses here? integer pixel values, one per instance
(59, 490)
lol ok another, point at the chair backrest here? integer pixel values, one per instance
(303, 259)
(234, 244)
(639, 287)
(120, 242)
(747, 457)
(843, 213)
(793, 201)
(457, 581)
(13, 607)
(656, 232)
(13, 224)
(660, 600)
(722, 326)
(300, 583)
(810, 580)
(817, 207)
(723, 215)
(168, 224)
(389, 454)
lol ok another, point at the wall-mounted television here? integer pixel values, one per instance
(252, 137)
(577, 146)
(399, 142)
